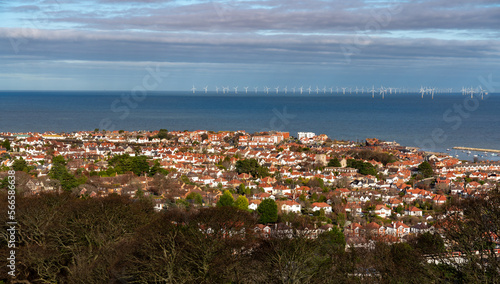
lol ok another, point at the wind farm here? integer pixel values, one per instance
(425, 92)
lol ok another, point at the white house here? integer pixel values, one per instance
(290, 206)
(253, 204)
(382, 211)
(305, 135)
(413, 211)
(322, 205)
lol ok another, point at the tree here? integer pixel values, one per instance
(251, 166)
(241, 202)
(226, 199)
(6, 144)
(268, 210)
(364, 168)
(59, 172)
(163, 134)
(428, 243)
(334, 163)
(20, 165)
(156, 168)
(124, 163)
(399, 209)
(196, 197)
(333, 240)
(425, 168)
(474, 235)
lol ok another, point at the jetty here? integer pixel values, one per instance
(477, 149)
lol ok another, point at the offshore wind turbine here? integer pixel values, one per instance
(382, 91)
(301, 89)
(481, 92)
(324, 89)
(266, 88)
(309, 90)
(235, 89)
(206, 89)
(317, 90)
(373, 91)
(246, 90)
(217, 89)
(256, 88)
(193, 89)
(343, 90)
(277, 89)
(331, 90)
(422, 91)
(285, 89)
(293, 89)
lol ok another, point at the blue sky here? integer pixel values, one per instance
(108, 44)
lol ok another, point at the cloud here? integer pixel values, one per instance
(281, 16)
(334, 36)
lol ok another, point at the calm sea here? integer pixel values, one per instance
(433, 124)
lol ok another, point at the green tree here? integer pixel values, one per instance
(334, 163)
(268, 210)
(364, 168)
(241, 202)
(251, 166)
(333, 240)
(226, 199)
(59, 172)
(399, 209)
(156, 168)
(59, 160)
(241, 189)
(125, 163)
(20, 165)
(428, 243)
(163, 134)
(6, 144)
(196, 197)
(425, 168)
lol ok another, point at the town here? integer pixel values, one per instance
(370, 190)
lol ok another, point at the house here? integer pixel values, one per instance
(353, 229)
(262, 230)
(439, 199)
(421, 228)
(354, 209)
(159, 204)
(290, 206)
(374, 229)
(398, 229)
(413, 211)
(253, 204)
(321, 205)
(394, 202)
(382, 211)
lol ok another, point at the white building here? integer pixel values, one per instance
(306, 135)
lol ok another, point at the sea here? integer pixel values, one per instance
(433, 124)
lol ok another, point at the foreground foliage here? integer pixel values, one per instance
(65, 239)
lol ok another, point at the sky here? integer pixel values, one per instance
(173, 45)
